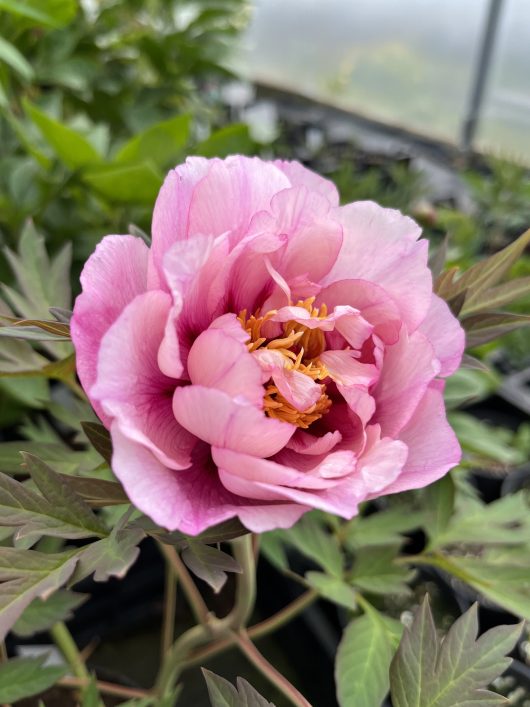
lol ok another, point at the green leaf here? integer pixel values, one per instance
(333, 589)
(25, 677)
(272, 547)
(210, 564)
(481, 328)
(499, 296)
(98, 493)
(110, 557)
(41, 614)
(72, 148)
(467, 386)
(50, 13)
(502, 522)
(382, 528)
(312, 539)
(232, 139)
(162, 143)
(484, 440)
(25, 575)
(135, 183)
(431, 673)
(363, 660)
(224, 694)
(13, 58)
(374, 571)
(439, 503)
(99, 438)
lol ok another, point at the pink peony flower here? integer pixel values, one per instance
(272, 352)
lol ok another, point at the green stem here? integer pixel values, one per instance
(246, 583)
(174, 662)
(259, 630)
(269, 671)
(66, 644)
(170, 598)
(195, 600)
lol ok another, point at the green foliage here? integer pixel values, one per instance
(42, 614)
(450, 673)
(209, 563)
(24, 677)
(363, 659)
(224, 694)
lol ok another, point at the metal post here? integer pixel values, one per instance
(480, 75)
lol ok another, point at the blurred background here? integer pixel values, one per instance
(423, 106)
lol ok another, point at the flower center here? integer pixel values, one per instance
(301, 348)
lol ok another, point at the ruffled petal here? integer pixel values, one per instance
(299, 175)
(112, 277)
(131, 388)
(433, 448)
(381, 245)
(446, 335)
(409, 366)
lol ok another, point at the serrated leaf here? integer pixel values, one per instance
(25, 575)
(99, 438)
(110, 557)
(223, 694)
(59, 512)
(311, 537)
(333, 589)
(161, 143)
(25, 677)
(485, 441)
(72, 148)
(374, 571)
(42, 614)
(209, 564)
(363, 660)
(505, 521)
(428, 672)
(382, 528)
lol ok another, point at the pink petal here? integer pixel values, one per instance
(305, 443)
(359, 401)
(432, 444)
(171, 212)
(297, 388)
(131, 388)
(218, 360)
(380, 245)
(344, 368)
(113, 275)
(382, 463)
(192, 500)
(446, 335)
(216, 418)
(299, 175)
(373, 302)
(409, 366)
(231, 193)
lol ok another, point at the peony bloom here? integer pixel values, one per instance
(270, 353)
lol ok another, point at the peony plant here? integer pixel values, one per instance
(265, 372)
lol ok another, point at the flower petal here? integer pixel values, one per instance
(222, 421)
(381, 245)
(446, 335)
(299, 175)
(112, 277)
(131, 388)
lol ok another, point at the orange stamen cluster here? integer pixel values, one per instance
(301, 348)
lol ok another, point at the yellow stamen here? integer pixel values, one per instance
(301, 347)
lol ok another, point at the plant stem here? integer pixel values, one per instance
(246, 583)
(170, 598)
(195, 600)
(106, 688)
(269, 671)
(263, 628)
(174, 661)
(66, 644)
